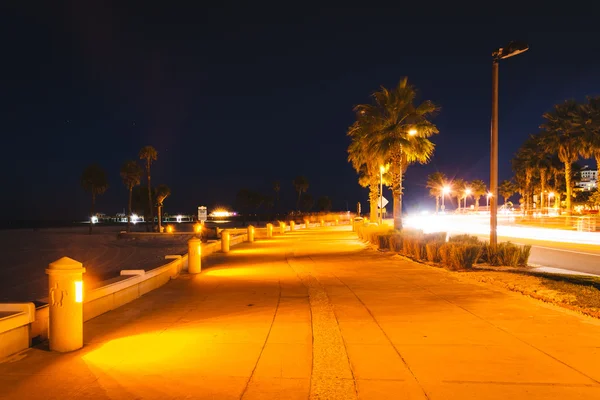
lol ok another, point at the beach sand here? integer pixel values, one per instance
(27, 253)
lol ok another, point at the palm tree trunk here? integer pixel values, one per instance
(373, 194)
(458, 201)
(477, 203)
(129, 210)
(437, 204)
(568, 183)
(398, 204)
(158, 216)
(298, 201)
(150, 198)
(543, 188)
(92, 209)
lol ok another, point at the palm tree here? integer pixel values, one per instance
(149, 154)
(93, 180)
(366, 165)
(307, 202)
(301, 186)
(524, 165)
(459, 188)
(507, 189)
(436, 183)
(162, 192)
(397, 133)
(478, 189)
(564, 136)
(591, 128)
(276, 189)
(131, 173)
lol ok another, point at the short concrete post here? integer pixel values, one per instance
(306, 222)
(194, 255)
(282, 227)
(322, 223)
(225, 241)
(250, 233)
(65, 294)
(269, 230)
(292, 225)
(337, 222)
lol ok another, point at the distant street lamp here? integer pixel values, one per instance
(445, 191)
(381, 169)
(412, 132)
(512, 49)
(550, 195)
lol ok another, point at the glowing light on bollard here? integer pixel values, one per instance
(292, 225)
(78, 292)
(198, 228)
(322, 223)
(269, 230)
(282, 227)
(306, 222)
(170, 229)
(337, 221)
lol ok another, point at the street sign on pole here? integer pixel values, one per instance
(202, 213)
(382, 202)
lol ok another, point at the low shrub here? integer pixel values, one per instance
(524, 255)
(432, 250)
(396, 242)
(444, 252)
(464, 255)
(435, 237)
(383, 240)
(464, 239)
(407, 245)
(418, 249)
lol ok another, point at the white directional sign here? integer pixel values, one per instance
(202, 213)
(382, 202)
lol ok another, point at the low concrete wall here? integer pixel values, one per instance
(15, 326)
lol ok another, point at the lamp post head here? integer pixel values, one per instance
(412, 132)
(446, 189)
(489, 195)
(551, 194)
(381, 169)
(512, 49)
(468, 191)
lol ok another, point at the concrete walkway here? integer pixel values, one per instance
(313, 314)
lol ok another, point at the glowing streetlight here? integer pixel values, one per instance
(412, 132)
(445, 191)
(381, 170)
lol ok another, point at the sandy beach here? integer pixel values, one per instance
(27, 253)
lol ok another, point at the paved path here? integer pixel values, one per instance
(313, 314)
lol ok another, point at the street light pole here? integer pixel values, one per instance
(512, 49)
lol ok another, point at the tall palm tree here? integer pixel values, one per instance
(565, 136)
(131, 173)
(436, 183)
(478, 189)
(301, 186)
(93, 180)
(507, 189)
(591, 127)
(398, 133)
(162, 192)
(276, 189)
(459, 188)
(149, 154)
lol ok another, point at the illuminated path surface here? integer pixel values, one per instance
(313, 314)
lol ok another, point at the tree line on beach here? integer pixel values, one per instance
(141, 199)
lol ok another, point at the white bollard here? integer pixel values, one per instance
(194, 255)
(269, 230)
(306, 222)
(322, 223)
(65, 294)
(292, 225)
(250, 233)
(225, 241)
(282, 227)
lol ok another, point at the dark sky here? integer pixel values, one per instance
(235, 98)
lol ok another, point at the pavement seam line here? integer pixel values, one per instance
(328, 382)
(264, 344)
(343, 340)
(386, 336)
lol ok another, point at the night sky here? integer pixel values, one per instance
(237, 98)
